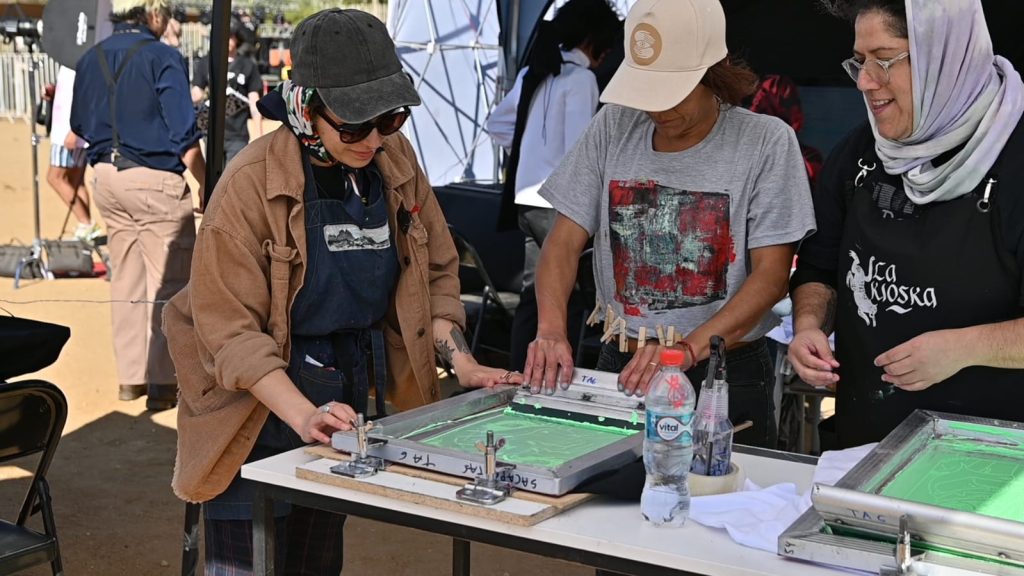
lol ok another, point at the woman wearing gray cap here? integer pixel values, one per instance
(695, 206)
(323, 272)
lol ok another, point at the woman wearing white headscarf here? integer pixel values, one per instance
(920, 242)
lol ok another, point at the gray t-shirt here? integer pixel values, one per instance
(673, 231)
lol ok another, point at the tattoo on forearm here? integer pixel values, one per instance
(444, 350)
(828, 321)
(460, 340)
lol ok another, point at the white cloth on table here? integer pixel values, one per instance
(756, 517)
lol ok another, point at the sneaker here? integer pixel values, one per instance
(88, 232)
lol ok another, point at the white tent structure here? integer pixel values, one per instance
(451, 48)
(462, 63)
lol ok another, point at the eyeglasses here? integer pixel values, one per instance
(877, 70)
(386, 124)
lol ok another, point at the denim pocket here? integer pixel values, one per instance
(321, 385)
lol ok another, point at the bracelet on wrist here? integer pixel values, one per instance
(688, 350)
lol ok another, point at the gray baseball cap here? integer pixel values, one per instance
(348, 56)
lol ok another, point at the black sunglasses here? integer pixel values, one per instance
(386, 124)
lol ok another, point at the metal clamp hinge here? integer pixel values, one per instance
(361, 465)
(486, 489)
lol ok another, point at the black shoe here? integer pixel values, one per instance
(162, 397)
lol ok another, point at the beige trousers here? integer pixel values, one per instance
(151, 233)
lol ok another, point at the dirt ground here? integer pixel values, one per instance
(110, 480)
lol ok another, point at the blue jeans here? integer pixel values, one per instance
(750, 377)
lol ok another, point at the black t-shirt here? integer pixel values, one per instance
(819, 254)
(243, 77)
(333, 182)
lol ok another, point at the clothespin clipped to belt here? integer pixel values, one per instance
(592, 319)
(623, 340)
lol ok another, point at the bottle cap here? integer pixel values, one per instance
(672, 357)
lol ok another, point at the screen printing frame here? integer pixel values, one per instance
(854, 504)
(592, 393)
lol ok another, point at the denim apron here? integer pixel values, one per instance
(337, 344)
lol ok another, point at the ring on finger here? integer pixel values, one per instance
(326, 408)
(655, 364)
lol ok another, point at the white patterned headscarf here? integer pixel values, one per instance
(300, 119)
(963, 95)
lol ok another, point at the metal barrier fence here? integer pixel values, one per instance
(14, 93)
(195, 42)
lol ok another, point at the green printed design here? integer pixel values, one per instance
(531, 440)
(967, 475)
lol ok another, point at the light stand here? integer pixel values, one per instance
(34, 262)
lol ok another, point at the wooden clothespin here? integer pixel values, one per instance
(609, 318)
(670, 339)
(609, 331)
(661, 335)
(592, 319)
(641, 337)
(623, 341)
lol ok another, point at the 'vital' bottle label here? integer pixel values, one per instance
(670, 428)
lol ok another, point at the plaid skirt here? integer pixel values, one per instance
(307, 542)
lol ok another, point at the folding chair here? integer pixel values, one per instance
(32, 417)
(483, 301)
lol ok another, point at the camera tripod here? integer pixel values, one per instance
(35, 265)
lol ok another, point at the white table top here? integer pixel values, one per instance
(602, 526)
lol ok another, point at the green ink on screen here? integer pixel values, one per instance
(530, 440)
(966, 475)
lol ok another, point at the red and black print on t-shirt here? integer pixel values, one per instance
(670, 248)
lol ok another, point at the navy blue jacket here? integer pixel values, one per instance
(156, 123)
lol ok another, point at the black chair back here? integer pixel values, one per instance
(32, 418)
(482, 298)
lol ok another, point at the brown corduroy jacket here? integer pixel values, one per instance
(229, 327)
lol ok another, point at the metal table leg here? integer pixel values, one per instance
(262, 534)
(460, 557)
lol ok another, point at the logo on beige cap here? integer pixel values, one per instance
(645, 44)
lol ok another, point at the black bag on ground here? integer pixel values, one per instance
(29, 345)
(68, 257)
(10, 256)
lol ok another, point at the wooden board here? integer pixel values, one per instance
(438, 490)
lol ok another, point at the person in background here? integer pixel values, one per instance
(919, 253)
(67, 159)
(245, 86)
(172, 33)
(778, 96)
(695, 206)
(324, 273)
(131, 104)
(539, 121)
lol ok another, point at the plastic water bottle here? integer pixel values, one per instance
(712, 430)
(668, 444)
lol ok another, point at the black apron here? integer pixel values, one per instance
(337, 343)
(905, 270)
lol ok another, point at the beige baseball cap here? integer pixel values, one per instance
(669, 46)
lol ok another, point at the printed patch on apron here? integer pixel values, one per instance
(341, 237)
